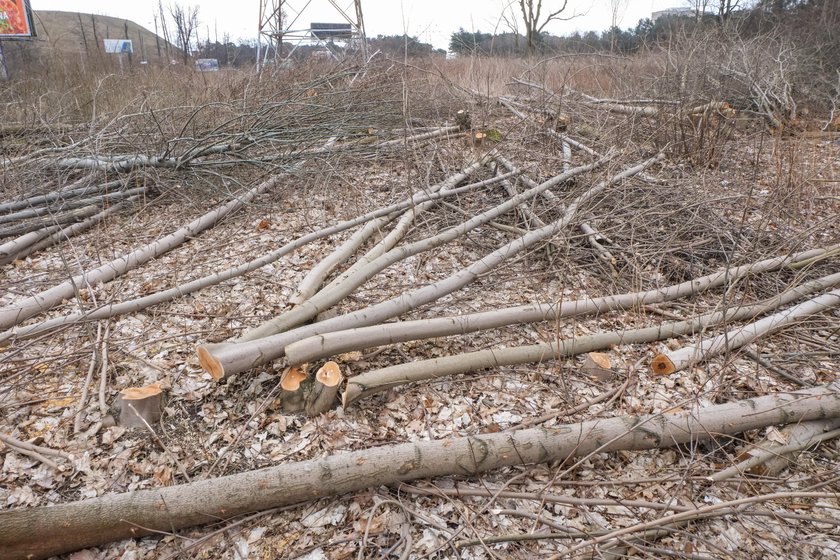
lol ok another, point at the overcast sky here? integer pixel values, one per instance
(432, 21)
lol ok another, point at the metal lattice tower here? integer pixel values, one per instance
(280, 20)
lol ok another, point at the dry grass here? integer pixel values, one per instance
(727, 196)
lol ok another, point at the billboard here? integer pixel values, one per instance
(207, 64)
(117, 45)
(15, 19)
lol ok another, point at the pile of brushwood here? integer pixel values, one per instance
(374, 312)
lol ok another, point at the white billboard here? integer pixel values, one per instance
(118, 46)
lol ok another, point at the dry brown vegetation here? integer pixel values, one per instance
(729, 182)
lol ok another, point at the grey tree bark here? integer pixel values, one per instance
(41, 532)
(333, 343)
(221, 360)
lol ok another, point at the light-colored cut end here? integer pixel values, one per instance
(140, 393)
(597, 365)
(293, 377)
(210, 364)
(662, 365)
(329, 374)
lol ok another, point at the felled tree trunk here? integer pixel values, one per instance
(18, 312)
(337, 342)
(683, 358)
(221, 360)
(420, 370)
(40, 532)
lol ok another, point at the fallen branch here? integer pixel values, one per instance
(375, 381)
(364, 270)
(770, 458)
(40, 532)
(18, 312)
(221, 360)
(64, 194)
(115, 309)
(337, 342)
(70, 205)
(24, 246)
(678, 360)
(35, 452)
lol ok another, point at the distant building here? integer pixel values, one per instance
(679, 11)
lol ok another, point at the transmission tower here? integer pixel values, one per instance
(281, 20)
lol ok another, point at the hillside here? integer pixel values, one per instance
(73, 32)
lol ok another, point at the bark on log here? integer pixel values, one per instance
(363, 271)
(671, 362)
(375, 381)
(770, 458)
(40, 532)
(321, 397)
(337, 342)
(141, 406)
(54, 196)
(68, 232)
(221, 360)
(112, 310)
(18, 312)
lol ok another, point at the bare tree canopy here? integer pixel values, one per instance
(534, 23)
(185, 19)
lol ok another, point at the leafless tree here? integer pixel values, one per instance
(725, 9)
(512, 23)
(699, 7)
(186, 23)
(617, 9)
(535, 23)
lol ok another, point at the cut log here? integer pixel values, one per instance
(234, 358)
(40, 532)
(322, 394)
(141, 406)
(597, 365)
(18, 312)
(338, 342)
(375, 381)
(69, 231)
(671, 362)
(293, 383)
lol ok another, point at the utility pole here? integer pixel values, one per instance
(280, 20)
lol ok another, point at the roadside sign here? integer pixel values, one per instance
(15, 19)
(117, 45)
